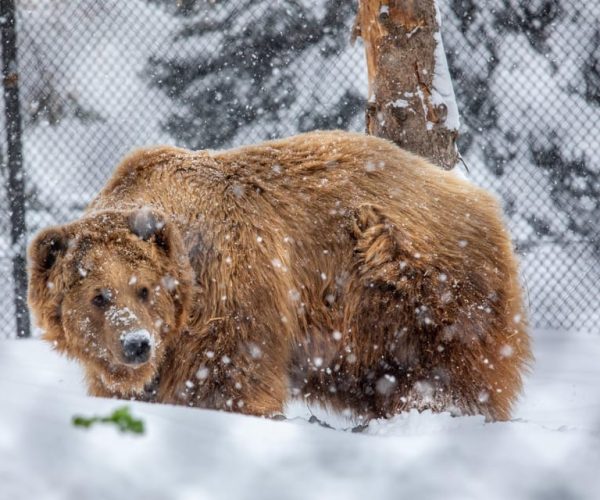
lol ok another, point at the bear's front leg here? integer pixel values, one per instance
(233, 364)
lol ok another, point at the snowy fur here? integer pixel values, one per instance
(331, 266)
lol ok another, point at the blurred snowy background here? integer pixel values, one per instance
(100, 78)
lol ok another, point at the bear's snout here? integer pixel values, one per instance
(136, 346)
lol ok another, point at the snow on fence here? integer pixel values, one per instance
(98, 79)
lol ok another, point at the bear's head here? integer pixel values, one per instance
(112, 290)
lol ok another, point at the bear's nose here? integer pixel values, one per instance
(136, 346)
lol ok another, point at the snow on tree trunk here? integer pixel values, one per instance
(411, 98)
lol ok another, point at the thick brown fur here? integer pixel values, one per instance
(330, 266)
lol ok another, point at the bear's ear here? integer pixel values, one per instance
(149, 225)
(46, 249)
(46, 252)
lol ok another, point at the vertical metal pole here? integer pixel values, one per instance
(14, 161)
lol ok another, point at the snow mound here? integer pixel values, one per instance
(550, 451)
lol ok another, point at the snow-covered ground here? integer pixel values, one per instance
(551, 450)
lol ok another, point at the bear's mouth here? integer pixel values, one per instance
(127, 378)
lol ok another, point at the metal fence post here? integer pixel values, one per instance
(14, 162)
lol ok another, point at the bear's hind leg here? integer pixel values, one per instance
(427, 335)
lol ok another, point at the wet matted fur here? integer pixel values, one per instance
(330, 266)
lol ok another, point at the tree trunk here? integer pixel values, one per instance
(411, 99)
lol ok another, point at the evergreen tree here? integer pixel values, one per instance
(529, 108)
(235, 67)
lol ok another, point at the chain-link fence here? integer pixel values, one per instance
(98, 78)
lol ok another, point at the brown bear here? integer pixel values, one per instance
(330, 266)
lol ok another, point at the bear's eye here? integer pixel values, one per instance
(101, 300)
(143, 293)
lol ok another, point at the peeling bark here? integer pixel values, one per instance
(411, 100)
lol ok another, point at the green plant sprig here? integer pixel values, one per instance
(120, 417)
